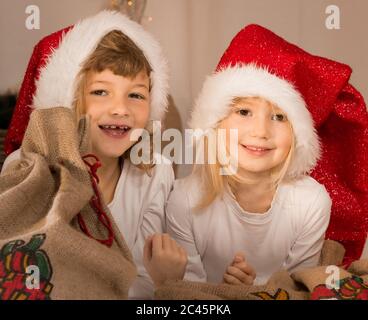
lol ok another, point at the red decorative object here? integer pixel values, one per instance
(352, 288)
(15, 257)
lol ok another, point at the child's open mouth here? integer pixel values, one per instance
(115, 131)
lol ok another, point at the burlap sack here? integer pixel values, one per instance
(311, 283)
(40, 197)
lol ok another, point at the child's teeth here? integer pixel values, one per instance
(125, 128)
(256, 149)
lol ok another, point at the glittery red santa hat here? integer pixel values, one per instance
(249, 68)
(323, 108)
(50, 79)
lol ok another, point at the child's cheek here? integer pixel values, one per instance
(94, 110)
(142, 117)
(288, 138)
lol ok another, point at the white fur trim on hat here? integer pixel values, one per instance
(222, 87)
(56, 84)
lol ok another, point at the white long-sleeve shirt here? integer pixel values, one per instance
(138, 208)
(288, 236)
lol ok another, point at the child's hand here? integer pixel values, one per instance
(164, 259)
(239, 272)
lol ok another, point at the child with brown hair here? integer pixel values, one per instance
(110, 69)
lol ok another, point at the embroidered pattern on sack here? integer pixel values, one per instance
(280, 294)
(17, 282)
(351, 288)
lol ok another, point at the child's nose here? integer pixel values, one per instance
(260, 128)
(120, 108)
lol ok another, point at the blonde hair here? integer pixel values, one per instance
(120, 54)
(214, 184)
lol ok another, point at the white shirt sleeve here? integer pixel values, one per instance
(154, 217)
(179, 221)
(153, 222)
(307, 248)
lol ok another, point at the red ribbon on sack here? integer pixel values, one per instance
(96, 205)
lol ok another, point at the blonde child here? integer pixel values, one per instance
(242, 227)
(108, 68)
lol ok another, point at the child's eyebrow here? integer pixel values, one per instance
(243, 104)
(99, 81)
(141, 85)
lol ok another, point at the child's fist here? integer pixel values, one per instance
(164, 259)
(239, 272)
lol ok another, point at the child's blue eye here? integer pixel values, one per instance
(244, 112)
(137, 96)
(99, 92)
(279, 117)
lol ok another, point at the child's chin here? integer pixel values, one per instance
(114, 154)
(254, 169)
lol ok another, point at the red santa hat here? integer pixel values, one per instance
(50, 79)
(325, 111)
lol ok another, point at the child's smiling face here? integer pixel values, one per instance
(116, 105)
(264, 135)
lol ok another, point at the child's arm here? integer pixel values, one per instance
(179, 222)
(307, 248)
(154, 218)
(153, 222)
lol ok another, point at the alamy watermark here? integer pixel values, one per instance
(333, 280)
(33, 278)
(33, 21)
(333, 19)
(211, 146)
